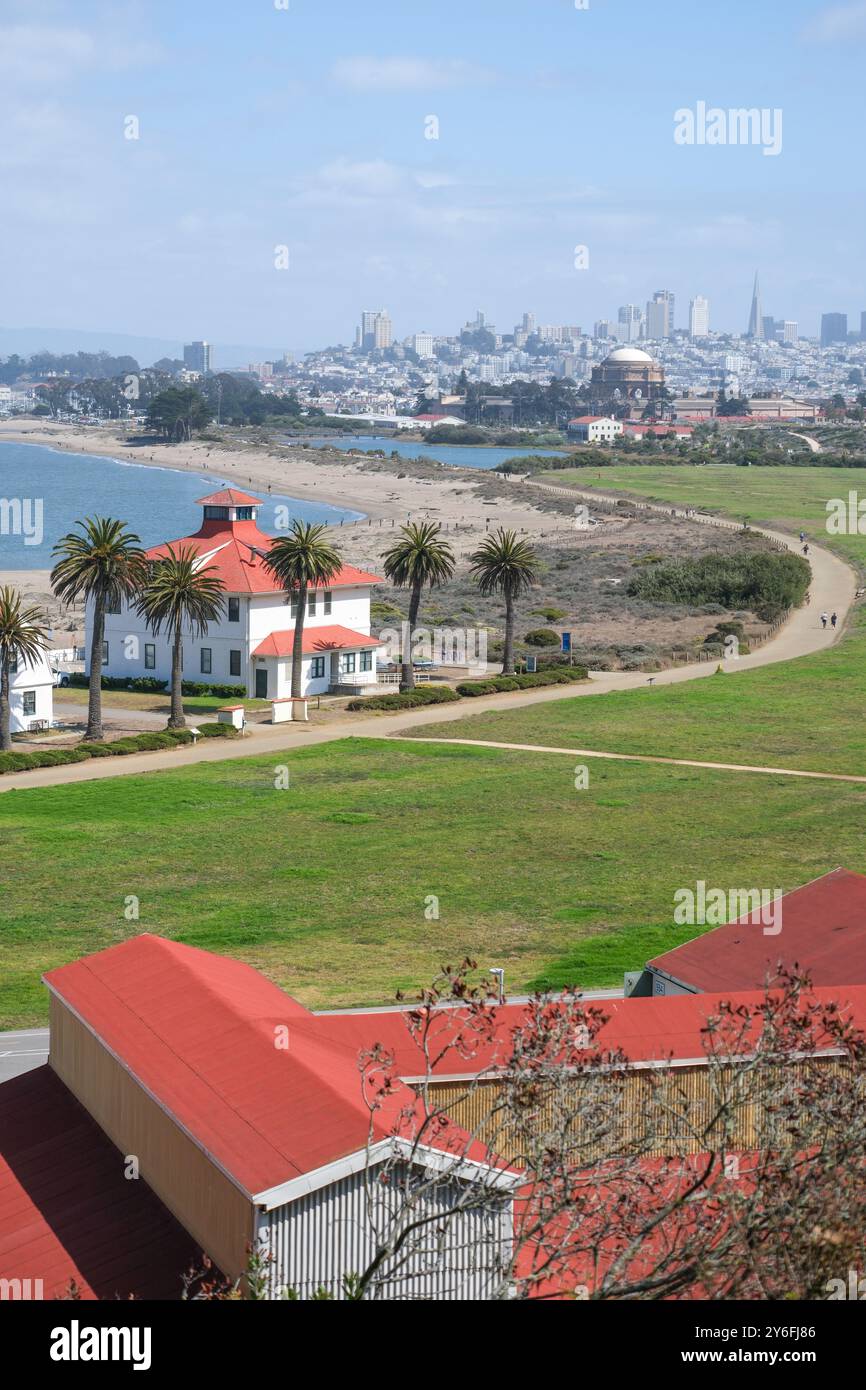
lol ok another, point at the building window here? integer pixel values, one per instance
(205, 661)
(327, 606)
(366, 661)
(317, 668)
(105, 653)
(112, 605)
(311, 605)
(348, 662)
(150, 656)
(234, 610)
(29, 702)
(244, 514)
(293, 606)
(216, 513)
(234, 663)
(13, 665)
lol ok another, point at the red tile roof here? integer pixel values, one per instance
(199, 1032)
(229, 497)
(236, 550)
(328, 637)
(66, 1210)
(823, 931)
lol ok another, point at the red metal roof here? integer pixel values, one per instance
(823, 932)
(199, 1032)
(66, 1210)
(236, 550)
(329, 637)
(229, 497)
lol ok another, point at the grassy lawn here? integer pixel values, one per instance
(791, 497)
(161, 703)
(324, 885)
(802, 714)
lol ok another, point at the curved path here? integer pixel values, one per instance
(833, 588)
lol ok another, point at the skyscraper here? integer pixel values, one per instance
(375, 329)
(630, 323)
(756, 318)
(660, 315)
(197, 357)
(834, 329)
(699, 317)
(791, 331)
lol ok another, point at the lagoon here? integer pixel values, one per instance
(463, 455)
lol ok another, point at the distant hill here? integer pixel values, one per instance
(145, 350)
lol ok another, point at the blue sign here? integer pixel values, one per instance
(532, 664)
(566, 641)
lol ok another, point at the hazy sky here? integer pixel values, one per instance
(262, 126)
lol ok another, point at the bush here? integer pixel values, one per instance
(406, 699)
(494, 684)
(150, 742)
(147, 684)
(765, 581)
(215, 730)
(97, 750)
(542, 637)
(552, 615)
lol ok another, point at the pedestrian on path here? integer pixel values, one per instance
(833, 620)
(802, 537)
(805, 550)
(825, 618)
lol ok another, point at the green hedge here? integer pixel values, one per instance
(151, 685)
(150, 742)
(406, 699)
(494, 685)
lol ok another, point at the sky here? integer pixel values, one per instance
(282, 177)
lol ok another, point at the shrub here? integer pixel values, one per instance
(216, 730)
(494, 684)
(542, 637)
(763, 581)
(551, 614)
(147, 684)
(97, 750)
(406, 699)
(470, 688)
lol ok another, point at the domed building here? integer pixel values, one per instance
(627, 376)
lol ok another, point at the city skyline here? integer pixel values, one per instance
(423, 177)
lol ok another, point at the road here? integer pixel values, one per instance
(832, 589)
(20, 1052)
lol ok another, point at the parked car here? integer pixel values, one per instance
(61, 677)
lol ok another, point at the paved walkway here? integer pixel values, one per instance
(833, 589)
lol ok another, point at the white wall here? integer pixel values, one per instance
(324, 1235)
(260, 615)
(38, 679)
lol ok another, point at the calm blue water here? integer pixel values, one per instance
(157, 503)
(465, 455)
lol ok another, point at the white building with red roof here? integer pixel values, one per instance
(251, 644)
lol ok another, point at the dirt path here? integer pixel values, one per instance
(637, 758)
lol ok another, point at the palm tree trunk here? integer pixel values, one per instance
(407, 670)
(176, 718)
(508, 652)
(298, 642)
(93, 733)
(5, 711)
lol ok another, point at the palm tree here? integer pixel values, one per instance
(302, 559)
(502, 564)
(104, 563)
(418, 560)
(178, 594)
(22, 641)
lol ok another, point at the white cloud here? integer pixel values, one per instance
(34, 53)
(838, 24)
(369, 74)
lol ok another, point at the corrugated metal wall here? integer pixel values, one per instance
(660, 1111)
(217, 1215)
(318, 1239)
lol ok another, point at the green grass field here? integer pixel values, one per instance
(794, 498)
(805, 714)
(324, 886)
